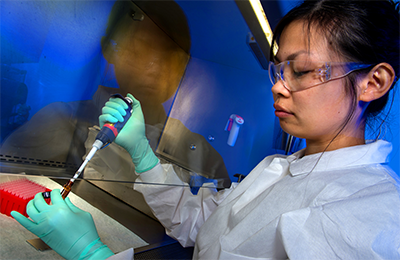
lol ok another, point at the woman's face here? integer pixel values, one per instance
(317, 113)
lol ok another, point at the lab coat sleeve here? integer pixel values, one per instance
(178, 210)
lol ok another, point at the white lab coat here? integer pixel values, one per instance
(344, 204)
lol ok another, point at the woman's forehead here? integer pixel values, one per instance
(299, 41)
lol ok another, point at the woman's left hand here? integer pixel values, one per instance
(67, 229)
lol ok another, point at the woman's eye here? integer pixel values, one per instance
(300, 73)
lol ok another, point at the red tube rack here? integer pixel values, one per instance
(15, 195)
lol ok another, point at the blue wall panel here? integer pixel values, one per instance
(57, 43)
(210, 93)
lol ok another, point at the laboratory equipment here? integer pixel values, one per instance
(233, 126)
(107, 134)
(15, 195)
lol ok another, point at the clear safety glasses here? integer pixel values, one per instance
(298, 75)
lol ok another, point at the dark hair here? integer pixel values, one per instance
(360, 31)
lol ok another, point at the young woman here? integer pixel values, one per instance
(335, 65)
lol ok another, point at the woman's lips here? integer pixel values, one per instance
(282, 112)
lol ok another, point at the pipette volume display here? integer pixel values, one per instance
(107, 134)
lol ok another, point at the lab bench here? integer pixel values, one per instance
(120, 225)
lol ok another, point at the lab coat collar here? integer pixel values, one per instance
(376, 152)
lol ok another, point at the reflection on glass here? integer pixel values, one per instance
(14, 92)
(148, 57)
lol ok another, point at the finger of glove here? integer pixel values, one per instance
(120, 101)
(117, 114)
(129, 95)
(137, 114)
(32, 211)
(106, 118)
(27, 223)
(117, 104)
(135, 104)
(56, 198)
(73, 208)
(134, 128)
(39, 203)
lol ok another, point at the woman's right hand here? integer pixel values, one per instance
(132, 136)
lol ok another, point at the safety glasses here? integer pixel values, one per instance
(298, 75)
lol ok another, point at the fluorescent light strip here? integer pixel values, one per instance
(262, 19)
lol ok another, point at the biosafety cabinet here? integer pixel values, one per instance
(199, 69)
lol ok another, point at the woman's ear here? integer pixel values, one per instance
(377, 82)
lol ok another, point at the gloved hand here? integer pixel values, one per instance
(67, 229)
(132, 136)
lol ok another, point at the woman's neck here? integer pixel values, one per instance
(318, 146)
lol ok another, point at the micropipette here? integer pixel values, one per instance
(106, 135)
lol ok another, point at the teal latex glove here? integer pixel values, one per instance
(132, 136)
(67, 229)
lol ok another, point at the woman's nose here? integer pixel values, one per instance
(279, 89)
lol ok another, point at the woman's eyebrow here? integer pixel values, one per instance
(292, 56)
